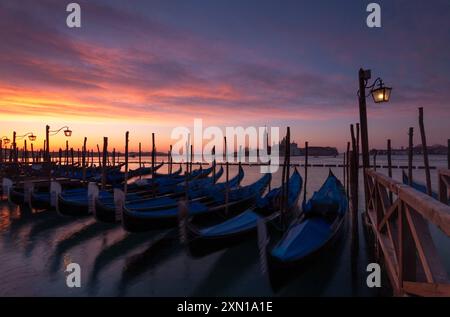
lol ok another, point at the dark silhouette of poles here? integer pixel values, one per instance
(410, 155)
(425, 151)
(105, 151)
(306, 171)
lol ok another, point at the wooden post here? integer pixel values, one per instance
(153, 152)
(99, 156)
(354, 176)
(25, 151)
(363, 76)
(357, 143)
(343, 170)
(140, 155)
(268, 151)
(448, 154)
(126, 163)
(192, 158)
(14, 145)
(425, 152)
(32, 153)
(443, 190)
(47, 143)
(375, 160)
(306, 171)
(72, 158)
(348, 170)
(92, 157)
(83, 159)
(67, 152)
(389, 159)
(78, 156)
(214, 163)
(170, 159)
(60, 157)
(1, 150)
(227, 188)
(410, 155)
(288, 171)
(105, 150)
(114, 157)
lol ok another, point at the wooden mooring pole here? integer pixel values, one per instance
(125, 186)
(99, 156)
(83, 159)
(354, 178)
(306, 171)
(448, 154)
(227, 171)
(425, 152)
(105, 151)
(347, 168)
(140, 155)
(153, 153)
(389, 159)
(410, 155)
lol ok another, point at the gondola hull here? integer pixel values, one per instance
(16, 196)
(139, 224)
(280, 272)
(235, 230)
(200, 245)
(72, 207)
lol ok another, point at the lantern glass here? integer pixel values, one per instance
(67, 132)
(32, 137)
(381, 94)
(6, 141)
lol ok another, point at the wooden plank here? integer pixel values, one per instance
(445, 172)
(426, 289)
(388, 214)
(433, 268)
(443, 190)
(430, 208)
(388, 250)
(417, 234)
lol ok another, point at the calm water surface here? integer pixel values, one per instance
(35, 247)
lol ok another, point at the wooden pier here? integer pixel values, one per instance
(402, 238)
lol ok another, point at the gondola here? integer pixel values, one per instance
(235, 230)
(308, 236)
(77, 204)
(105, 208)
(140, 219)
(417, 185)
(176, 173)
(118, 176)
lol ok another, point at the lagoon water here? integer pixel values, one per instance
(35, 248)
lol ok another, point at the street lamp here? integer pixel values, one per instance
(67, 131)
(30, 135)
(380, 93)
(5, 140)
(48, 133)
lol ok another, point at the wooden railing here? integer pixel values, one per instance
(398, 216)
(444, 185)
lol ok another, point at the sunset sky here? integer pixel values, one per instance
(150, 66)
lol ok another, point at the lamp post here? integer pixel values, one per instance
(4, 140)
(32, 137)
(48, 133)
(380, 94)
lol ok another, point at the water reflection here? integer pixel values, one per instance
(36, 246)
